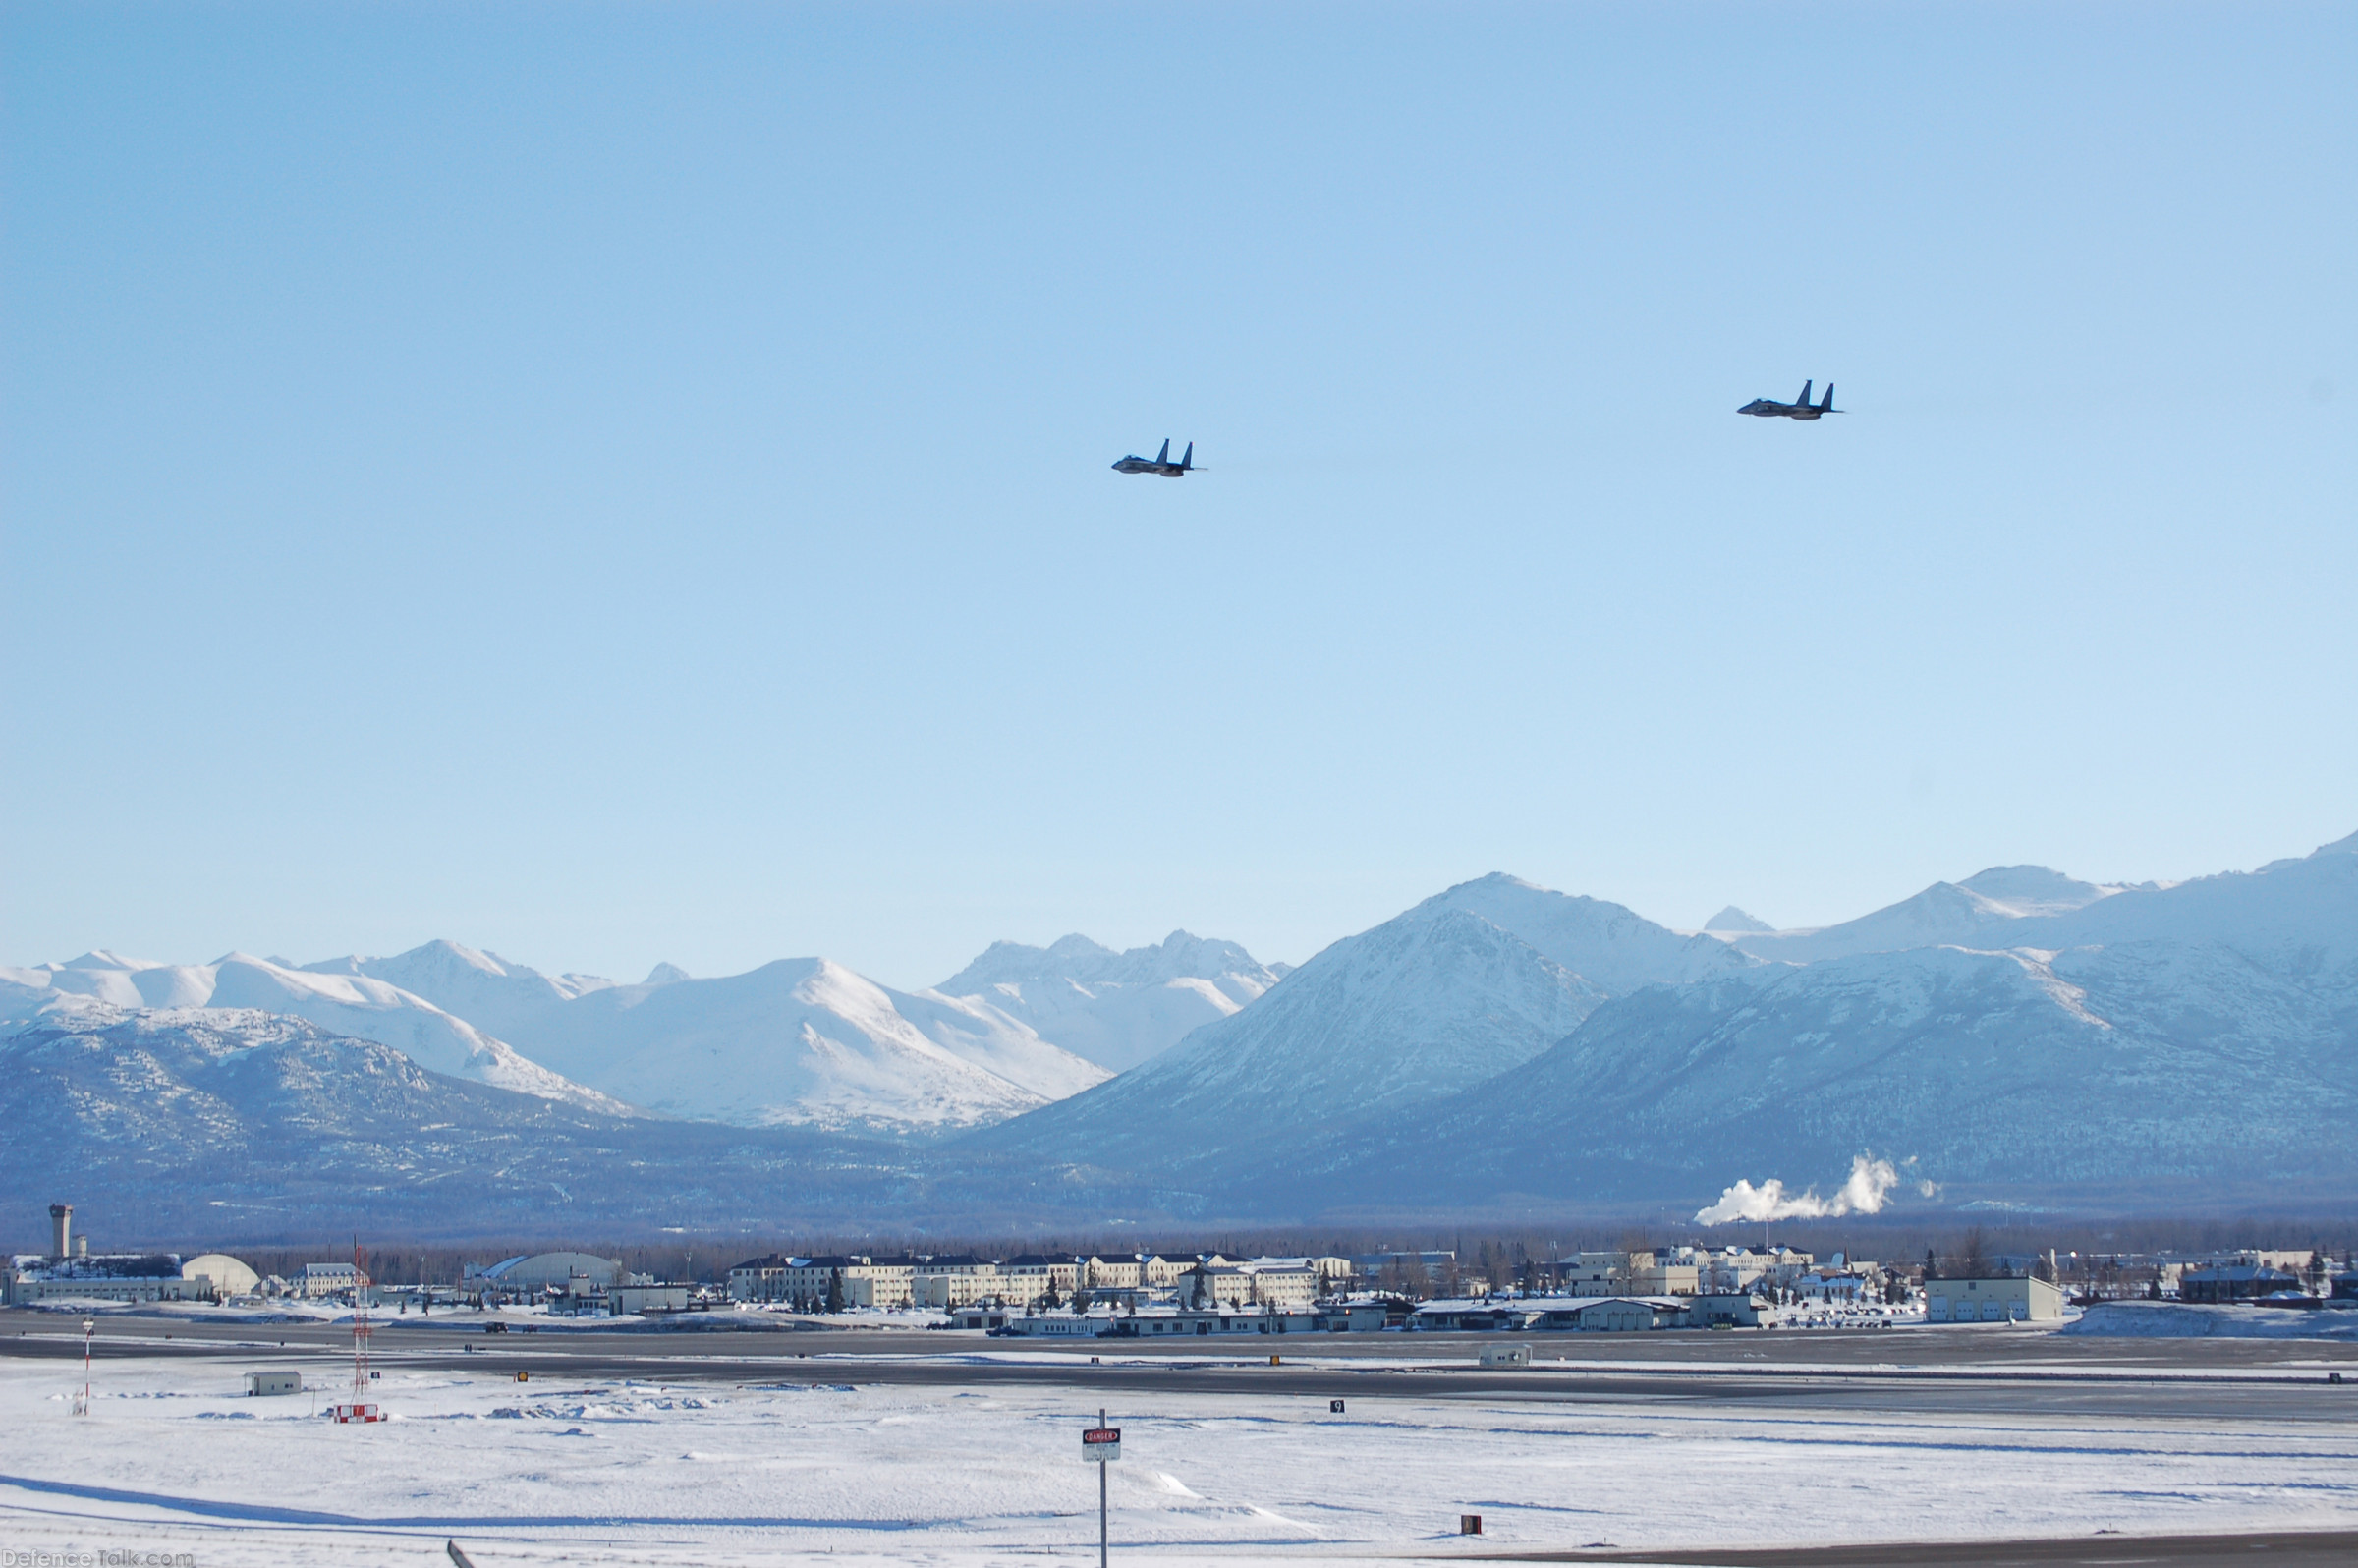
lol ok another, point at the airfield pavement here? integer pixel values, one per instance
(1993, 1445)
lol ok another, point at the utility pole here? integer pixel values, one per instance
(1102, 1532)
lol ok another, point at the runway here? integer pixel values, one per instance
(2281, 1549)
(1914, 1372)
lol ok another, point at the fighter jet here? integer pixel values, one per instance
(1161, 463)
(1800, 407)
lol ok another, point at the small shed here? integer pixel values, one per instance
(1736, 1309)
(262, 1383)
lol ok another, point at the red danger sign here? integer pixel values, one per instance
(1101, 1435)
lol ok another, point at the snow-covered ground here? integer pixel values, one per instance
(2170, 1319)
(173, 1460)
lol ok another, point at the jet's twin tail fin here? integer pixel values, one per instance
(1164, 456)
(1189, 460)
(1804, 399)
(1827, 407)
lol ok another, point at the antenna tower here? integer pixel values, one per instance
(360, 1409)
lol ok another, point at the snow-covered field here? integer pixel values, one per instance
(173, 1460)
(2167, 1320)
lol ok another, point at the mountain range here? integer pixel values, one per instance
(185, 1126)
(2193, 1048)
(801, 1042)
(2017, 1038)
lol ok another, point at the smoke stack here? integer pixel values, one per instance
(61, 1229)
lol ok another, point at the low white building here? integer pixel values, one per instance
(99, 1276)
(625, 1300)
(1613, 1315)
(1181, 1322)
(1991, 1301)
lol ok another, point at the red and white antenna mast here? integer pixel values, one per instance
(360, 1409)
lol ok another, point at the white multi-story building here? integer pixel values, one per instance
(1282, 1283)
(1157, 1271)
(761, 1279)
(948, 1282)
(1335, 1273)
(1119, 1272)
(1034, 1276)
(864, 1280)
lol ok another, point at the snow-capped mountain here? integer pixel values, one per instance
(1471, 981)
(1427, 1003)
(1614, 949)
(1734, 922)
(800, 1041)
(199, 1125)
(1981, 910)
(345, 1004)
(494, 995)
(2298, 913)
(1116, 1009)
(803, 1042)
(2183, 1048)
(2015, 1037)
(2103, 1080)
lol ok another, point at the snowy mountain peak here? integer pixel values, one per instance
(2034, 890)
(100, 958)
(1733, 919)
(1613, 947)
(665, 975)
(2340, 846)
(1974, 912)
(805, 1042)
(1116, 1009)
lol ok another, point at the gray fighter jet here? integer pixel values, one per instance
(1799, 409)
(1160, 463)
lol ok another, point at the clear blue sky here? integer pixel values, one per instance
(614, 483)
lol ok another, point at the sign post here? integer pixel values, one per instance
(1103, 1445)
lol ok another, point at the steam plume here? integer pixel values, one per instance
(1871, 1182)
